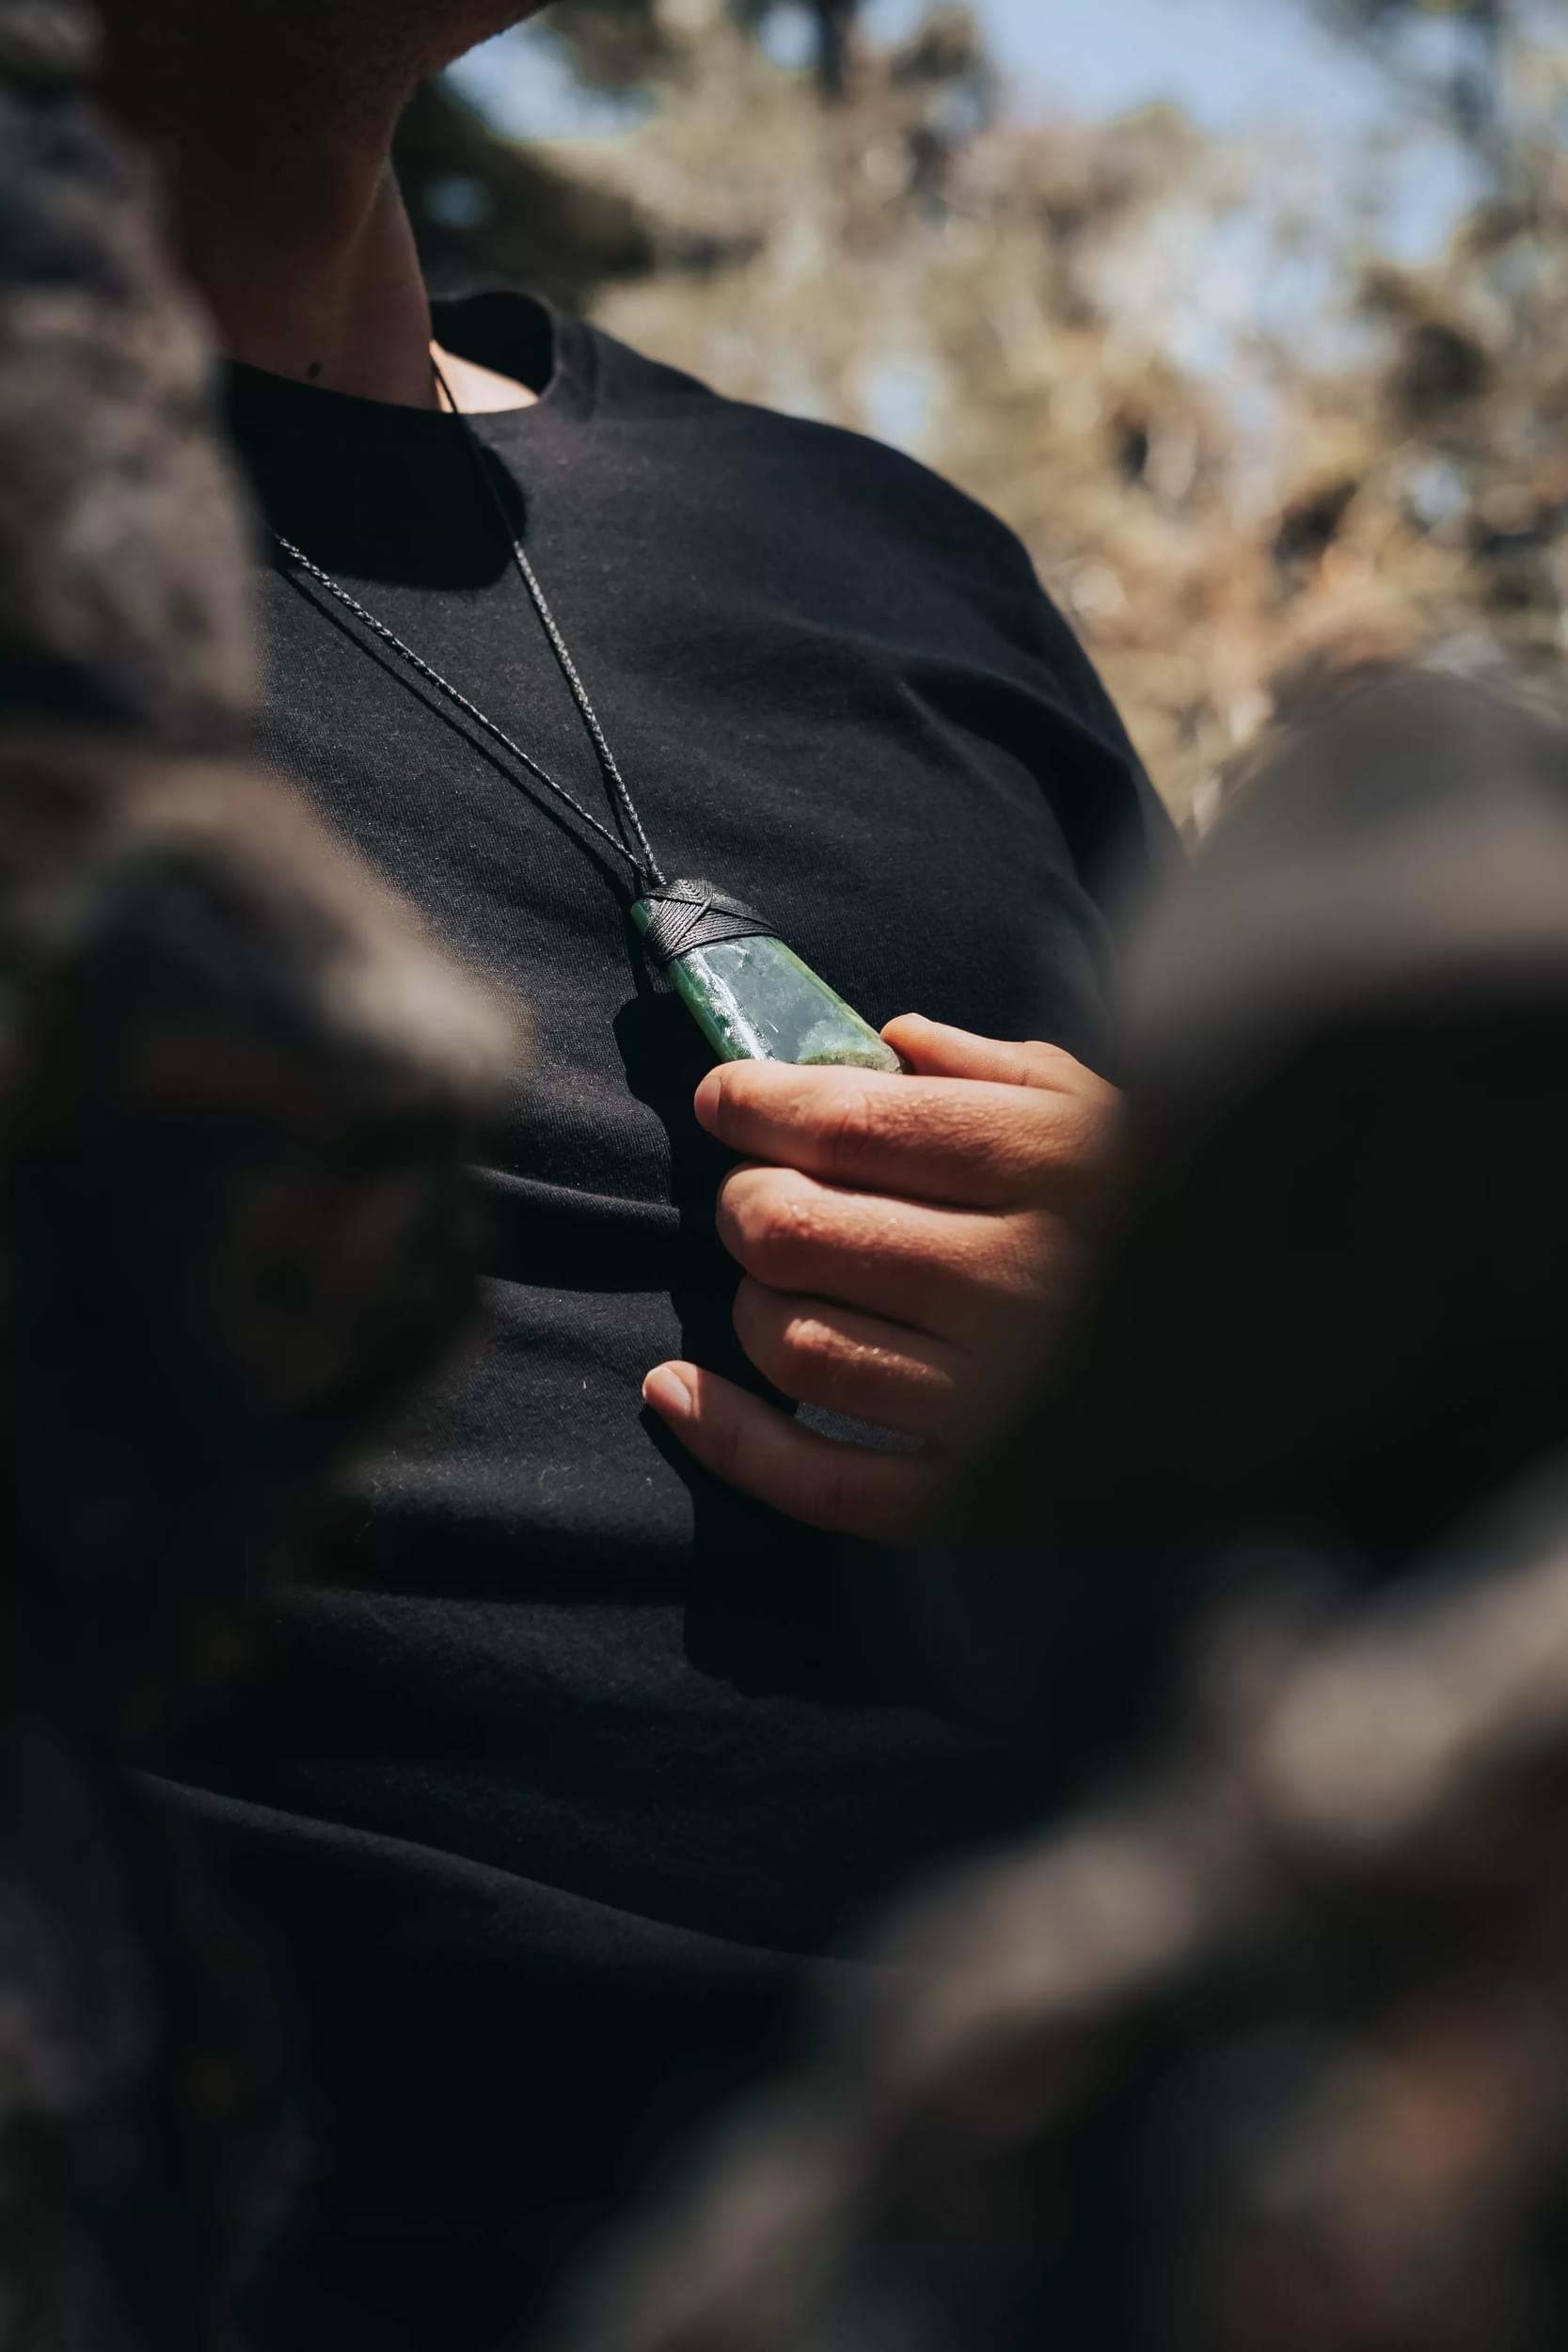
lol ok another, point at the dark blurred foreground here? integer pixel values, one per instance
(1267, 2048)
(1263, 2041)
(236, 1092)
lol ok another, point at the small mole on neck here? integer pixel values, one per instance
(314, 371)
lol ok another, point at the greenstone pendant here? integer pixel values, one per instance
(755, 1000)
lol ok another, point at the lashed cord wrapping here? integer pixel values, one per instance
(689, 914)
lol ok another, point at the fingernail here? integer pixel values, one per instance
(708, 1097)
(668, 1393)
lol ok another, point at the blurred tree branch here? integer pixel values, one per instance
(1469, 98)
(836, 27)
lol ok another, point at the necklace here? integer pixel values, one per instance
(754, 998)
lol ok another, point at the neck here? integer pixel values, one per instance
(290, 224)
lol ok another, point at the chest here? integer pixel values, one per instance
(884, 793)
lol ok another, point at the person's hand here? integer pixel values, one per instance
(899, 1238)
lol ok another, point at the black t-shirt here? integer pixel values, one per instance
(571, 1760)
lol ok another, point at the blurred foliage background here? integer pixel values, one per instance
(1245, 430)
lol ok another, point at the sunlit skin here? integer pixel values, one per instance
(897, 1236)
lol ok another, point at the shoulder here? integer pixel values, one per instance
(804, 473)
(878, 536)
(825, 460)
(865, 540)
(867, 524)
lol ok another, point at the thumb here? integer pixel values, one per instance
(932, 1049)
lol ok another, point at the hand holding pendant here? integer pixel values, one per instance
(900, 1237)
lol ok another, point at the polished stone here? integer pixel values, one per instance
(755, 1000)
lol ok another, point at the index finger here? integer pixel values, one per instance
(934, 1049)
(964, 1142)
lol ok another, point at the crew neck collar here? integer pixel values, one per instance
(515, 334)
(377, 491)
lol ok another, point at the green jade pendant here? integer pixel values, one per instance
(751, 995)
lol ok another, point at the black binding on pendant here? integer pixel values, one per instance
(690, 914)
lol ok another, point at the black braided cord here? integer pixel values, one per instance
(333, 588)
(641, 860)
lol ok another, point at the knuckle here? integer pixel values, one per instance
(824, 1364)
(806, 1336)
(730, 1088)
(806, 1353)
(815, 1354)
(785, 1234)
(853, 1127)
(788, 1343)
(771, 1221)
